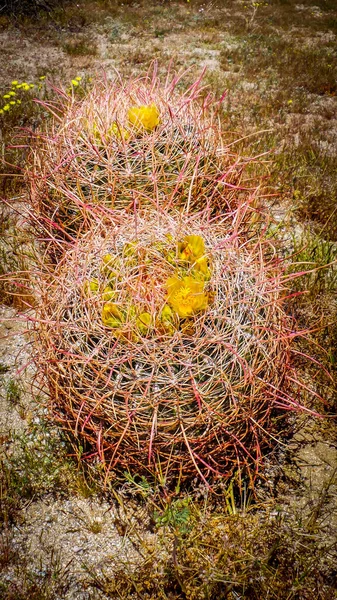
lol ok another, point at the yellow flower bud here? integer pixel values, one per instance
(91, 287)
(168, 320)
(108, 293)
(144, 322)
(191, 248)
(118, 131)
(112, 316)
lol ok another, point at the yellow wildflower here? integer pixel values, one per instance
(15, 82)
(18, 101)
(74, 82)
(32, 85)
(1, 111)
(25, 86)
(186, 296)
(144, 117)
(112, 316)
(12, 93)
(6, 96)
(42, 77)
(12, 102)
(6, 107)
(78, 78)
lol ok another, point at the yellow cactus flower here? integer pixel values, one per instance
(186, 296)
(144, 117)
(108, 258)
(144, 322)
(94, 285)
(108, 293)
(201, 269)
(130, 253)
(110, 266)
(118, 131)
(91, 287)
(191, 248)
(168, 320)
(112, 316)
(96, 132)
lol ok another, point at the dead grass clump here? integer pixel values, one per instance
(163, 358)
(14, 259)
(95, 155)
(217, 557)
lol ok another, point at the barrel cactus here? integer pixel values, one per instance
(132, 144)
(165, 345)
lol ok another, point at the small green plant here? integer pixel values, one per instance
(176, 516)
(13, 392)
(317, 258)
(39, 466)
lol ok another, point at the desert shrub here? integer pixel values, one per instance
(165, 346)
(128, 144)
